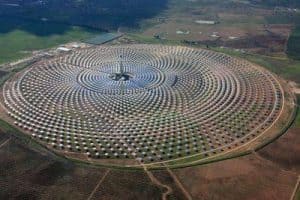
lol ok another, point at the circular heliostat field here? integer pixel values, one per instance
(145, 102)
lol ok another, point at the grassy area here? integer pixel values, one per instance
(17, 43)
(297, 121)
(7, 74)
(298, 195)
(293, 46)
(12, 131)
(194, 162)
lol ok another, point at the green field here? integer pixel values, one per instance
(17, 43)
(284, 67)
(293, 47)
(297, 122)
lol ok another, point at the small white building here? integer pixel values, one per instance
(208, 22)
(64, 49)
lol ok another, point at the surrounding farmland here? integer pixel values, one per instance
(241, 178)
(239, 25)
(269, 174)
(255, 30)
(41, 177)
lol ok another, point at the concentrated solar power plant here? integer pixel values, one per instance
(145, 102)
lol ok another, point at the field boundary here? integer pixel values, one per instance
(293, 196)
(98, 185)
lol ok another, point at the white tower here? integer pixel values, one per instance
(121, 67)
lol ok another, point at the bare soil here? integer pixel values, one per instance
(26, 174)
(164, 177)
(286, 151)
(270, 173)
(127, 185)
(241, 178)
